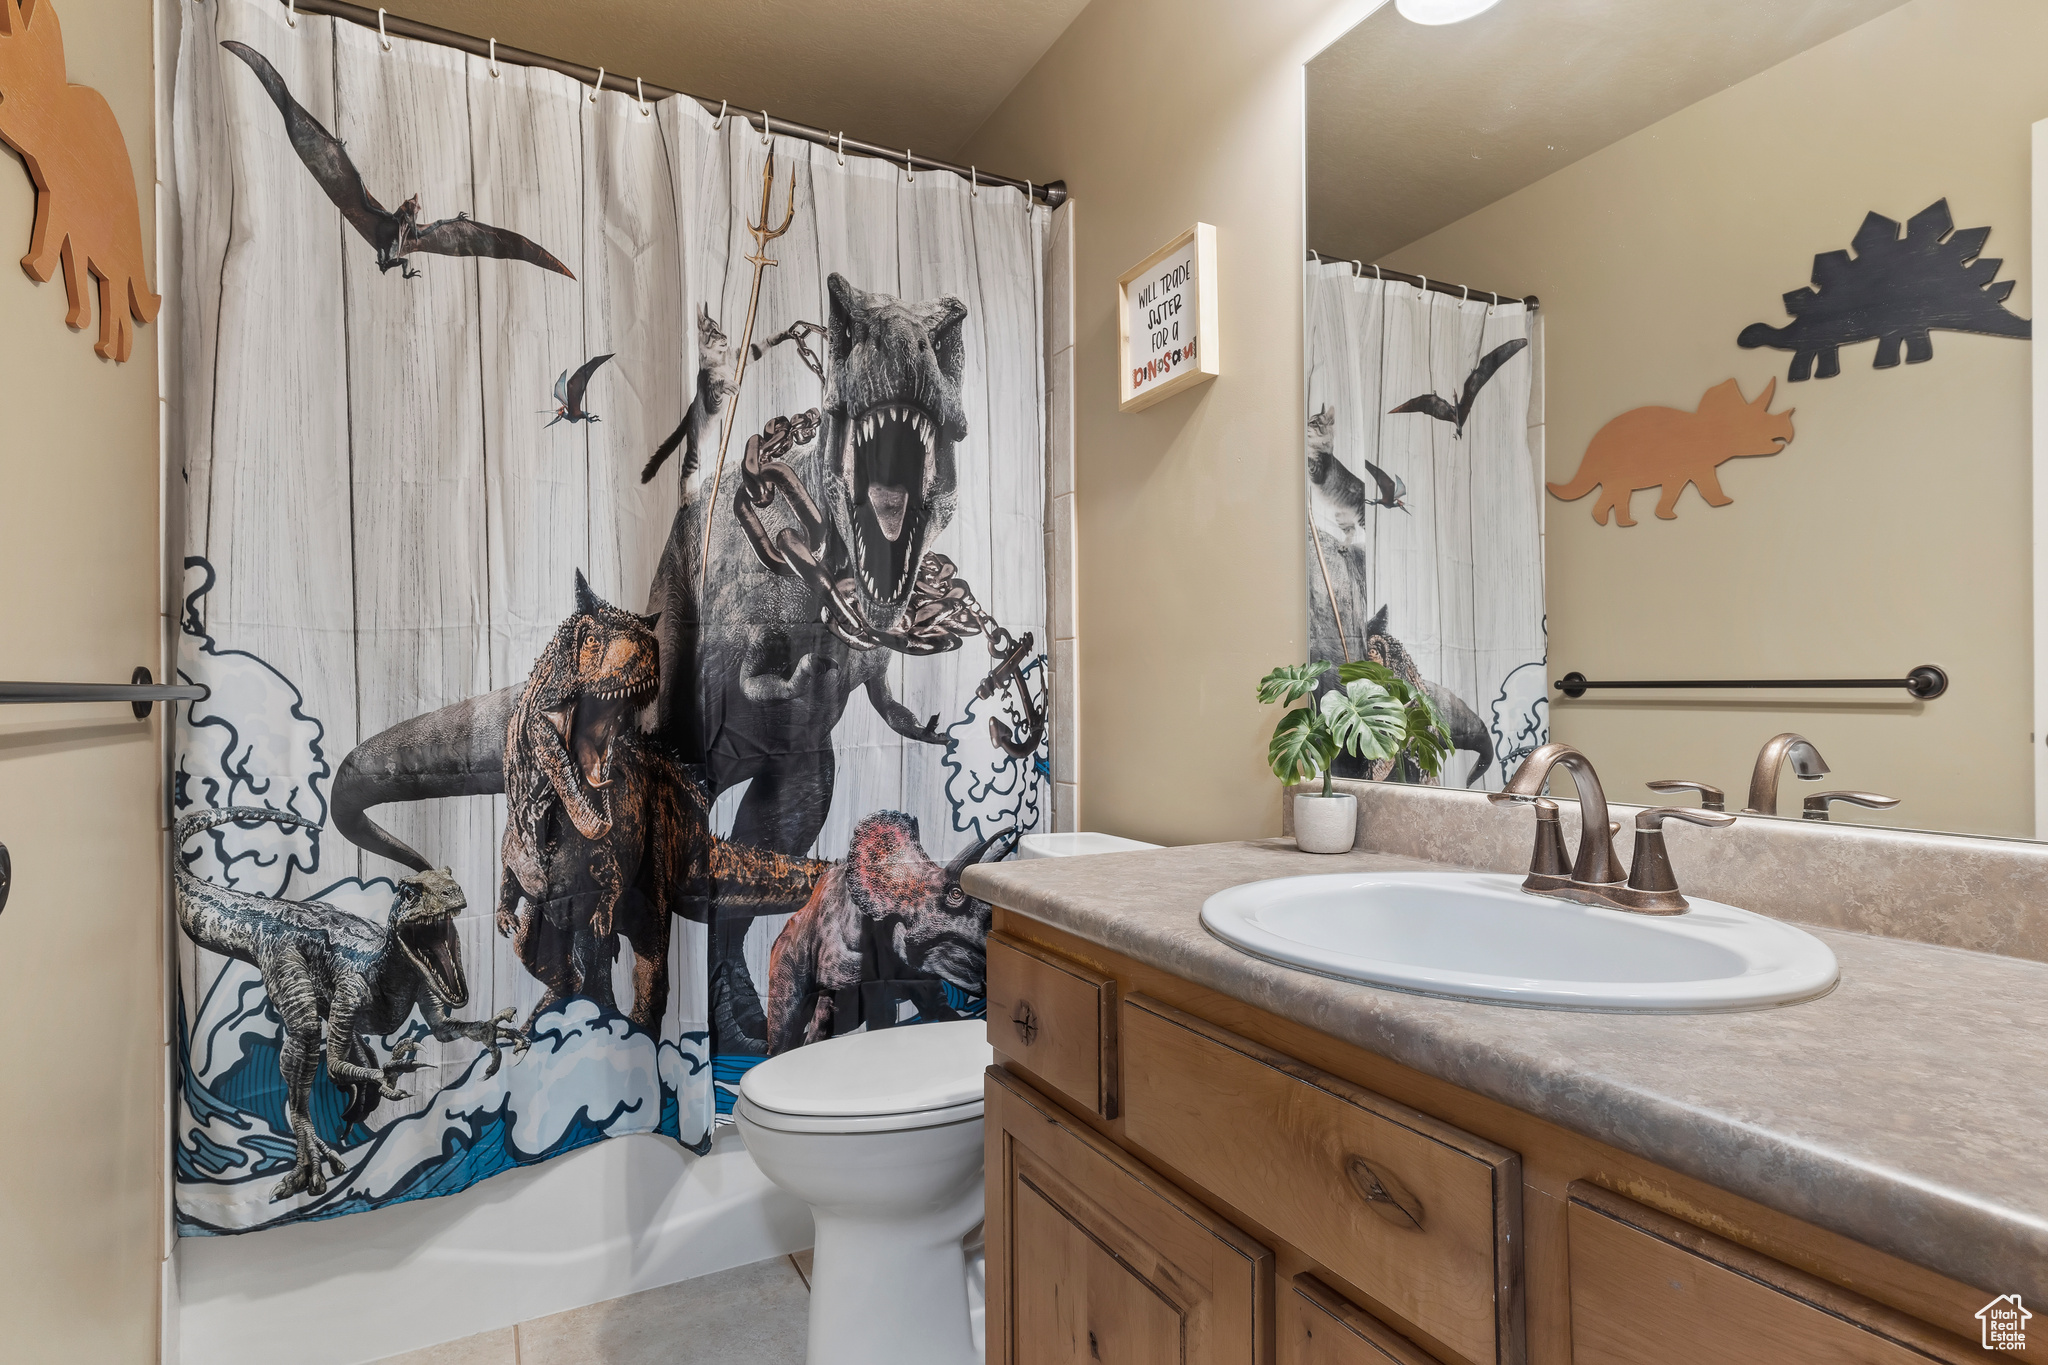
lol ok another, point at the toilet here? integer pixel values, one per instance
(1076, 845)
(880, 1133)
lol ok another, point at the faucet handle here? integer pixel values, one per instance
(1652, 889)
(1711, 797)
(1549, 859)
(1816, 806)
(1654, 819)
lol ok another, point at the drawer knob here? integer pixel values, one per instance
(1026, 1020)
(1385, 1195)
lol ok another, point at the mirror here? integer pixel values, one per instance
(1720, 375)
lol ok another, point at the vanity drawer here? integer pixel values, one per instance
(1055, 1021)
(1319, 1326)
(1424, 1218)
(1648, 1289)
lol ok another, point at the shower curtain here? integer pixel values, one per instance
(1425, 518)
(613, 540)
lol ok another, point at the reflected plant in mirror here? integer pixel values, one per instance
(1540, 274)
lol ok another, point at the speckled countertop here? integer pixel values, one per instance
(1907, 1109)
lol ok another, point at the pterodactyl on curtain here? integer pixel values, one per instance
(543, 789)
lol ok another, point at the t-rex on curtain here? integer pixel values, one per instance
(1425, 513)
(618, 646)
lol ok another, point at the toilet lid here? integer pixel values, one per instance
(904, 1070)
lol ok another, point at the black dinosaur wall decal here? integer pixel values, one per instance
(1894, 291)
(1442, 408)
(396, 235)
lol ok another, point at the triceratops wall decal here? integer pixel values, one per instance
(86, 213)
(1893, 290)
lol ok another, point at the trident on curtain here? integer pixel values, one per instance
(760, 260)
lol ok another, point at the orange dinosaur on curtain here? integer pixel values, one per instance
(86, 214)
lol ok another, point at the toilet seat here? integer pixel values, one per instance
(878, 1081)
(857, 1123)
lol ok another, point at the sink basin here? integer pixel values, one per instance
(1478, 936)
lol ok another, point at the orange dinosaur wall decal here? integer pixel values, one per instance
(86, 214)
(1670, 448)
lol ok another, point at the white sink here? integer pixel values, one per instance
(1479, 936)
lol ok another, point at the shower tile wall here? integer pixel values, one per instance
(1059, 523)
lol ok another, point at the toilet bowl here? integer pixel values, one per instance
(880, 1133)
(1076, 845)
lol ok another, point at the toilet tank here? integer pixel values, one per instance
(1076, 845)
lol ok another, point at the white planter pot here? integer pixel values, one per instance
(1325, 824)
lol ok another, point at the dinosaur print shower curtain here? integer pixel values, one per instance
(1425, 508)
(613, 543)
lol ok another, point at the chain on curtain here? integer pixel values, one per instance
(1426, 525)
(455, 613)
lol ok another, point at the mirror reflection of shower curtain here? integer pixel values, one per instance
(1425, 549)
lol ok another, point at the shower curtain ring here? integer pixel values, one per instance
(1376, 272)
(973, 182)
(1027, 199)
(1466, 296)
(1357, 268)
(640, 92)
(719, 122)
(291, 12)
(494, 59)
(380, 31)
(1425, 286)
(909, 176)
(597, 87)
(842, 146)
(764, 127)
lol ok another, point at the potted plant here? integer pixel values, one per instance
(1372, 712)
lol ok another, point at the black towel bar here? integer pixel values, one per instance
(1925, 683)
(141, 692)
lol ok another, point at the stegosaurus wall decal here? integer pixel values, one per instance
(1894, 290)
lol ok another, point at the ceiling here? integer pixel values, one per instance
(1412, 127)
(922, 74)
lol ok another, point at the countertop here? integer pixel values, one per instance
(1906, 1109)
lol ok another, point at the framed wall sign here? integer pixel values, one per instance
(1166, 319)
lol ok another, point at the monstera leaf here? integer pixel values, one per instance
(1291, 682)
(1301, 747)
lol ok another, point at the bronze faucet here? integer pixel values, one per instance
(1807, 765)
(1817, 804)
(1595, 875)
(1597, 865)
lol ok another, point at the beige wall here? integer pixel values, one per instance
(1158, 114)
(81, 995)
(1896, 528)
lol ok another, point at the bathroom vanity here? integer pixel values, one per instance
(1196, 1155)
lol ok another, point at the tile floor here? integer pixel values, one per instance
(750, 1315)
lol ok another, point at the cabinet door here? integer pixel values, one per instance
(1648, 1289)
(1093, 1258)
(1319, 1326)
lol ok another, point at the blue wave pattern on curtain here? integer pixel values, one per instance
(699, 807)
(1426, 529)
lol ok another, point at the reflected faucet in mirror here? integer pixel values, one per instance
(1711, 797)
(1595, 875)
(1807, 766)
(1818, 803)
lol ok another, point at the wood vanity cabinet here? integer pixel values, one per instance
(1163, 1187)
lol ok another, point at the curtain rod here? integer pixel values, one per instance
(1052, 194)
(1434, 286)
